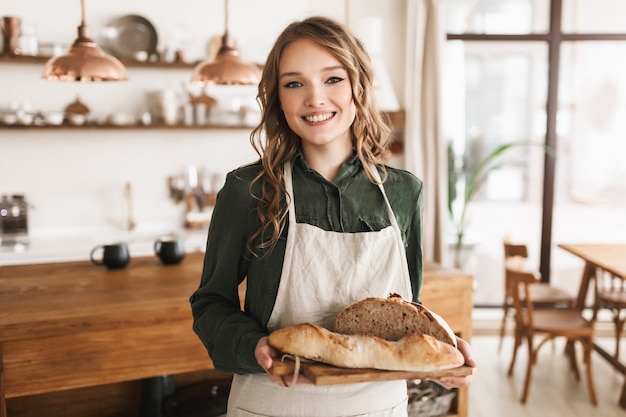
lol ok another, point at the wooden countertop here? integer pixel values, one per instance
(35, 298)
(71, 325)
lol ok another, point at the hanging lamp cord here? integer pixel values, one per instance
(225, 16)
(82, 12)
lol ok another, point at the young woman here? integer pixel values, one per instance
(316, 224)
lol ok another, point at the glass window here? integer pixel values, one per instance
(501, 100)
(592, 127)
(590, 180)
(593, 16)
(494, 93)
(497, 16)
(591, 139)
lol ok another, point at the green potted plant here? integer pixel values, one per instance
(474, 176)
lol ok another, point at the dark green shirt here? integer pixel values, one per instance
(350, 203)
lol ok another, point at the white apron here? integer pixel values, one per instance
(323, 272)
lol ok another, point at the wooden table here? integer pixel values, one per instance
(609, 257)
(71, 325)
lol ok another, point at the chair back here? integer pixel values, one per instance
(610, 294)
(609, 283)
(518, 288)
(514, 249)
(514, 253)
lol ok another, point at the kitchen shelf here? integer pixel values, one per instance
(397, 120)
(26, 59)
(123, 127)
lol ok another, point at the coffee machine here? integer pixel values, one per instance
(13, 220)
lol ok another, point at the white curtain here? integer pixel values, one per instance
(425, 148)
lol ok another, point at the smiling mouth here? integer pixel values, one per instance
(318, 117)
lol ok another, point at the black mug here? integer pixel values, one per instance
(114, 255)
(169, 249)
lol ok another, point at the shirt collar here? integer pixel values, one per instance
(350, 165)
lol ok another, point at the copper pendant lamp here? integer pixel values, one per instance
(227, 67)
(84, 61)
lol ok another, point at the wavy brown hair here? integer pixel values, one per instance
(276, 143)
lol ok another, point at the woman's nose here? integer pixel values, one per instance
(315, 96)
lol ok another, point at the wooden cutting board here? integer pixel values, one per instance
(323, 374)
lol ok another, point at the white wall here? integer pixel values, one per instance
(75, 179)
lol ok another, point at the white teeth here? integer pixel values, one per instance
(318, 117)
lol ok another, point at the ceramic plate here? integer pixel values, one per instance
(130, 35)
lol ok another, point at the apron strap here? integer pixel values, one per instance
(289, 188)
(392, 217)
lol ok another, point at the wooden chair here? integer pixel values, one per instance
(543, 294)
(610, 293)
(550, 323)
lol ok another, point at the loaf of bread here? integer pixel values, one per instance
(392, 318)
(414, 352)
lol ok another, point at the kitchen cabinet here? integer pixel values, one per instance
(68, 326)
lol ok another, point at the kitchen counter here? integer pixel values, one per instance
(66, 325)
(73, 324)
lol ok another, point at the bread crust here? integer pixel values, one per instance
(392, 318)
(414, 352)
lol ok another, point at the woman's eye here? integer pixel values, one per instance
(334, 80)
(293, 84)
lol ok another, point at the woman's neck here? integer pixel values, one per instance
(327, 160)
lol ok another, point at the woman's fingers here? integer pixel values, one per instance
(266, 355)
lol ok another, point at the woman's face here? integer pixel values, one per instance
(315, 95)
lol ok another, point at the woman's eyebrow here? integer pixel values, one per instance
(325, 69)
(289, 74)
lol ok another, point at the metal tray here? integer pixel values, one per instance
(126, 36)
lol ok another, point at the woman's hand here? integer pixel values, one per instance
(265, 356)
(460, 381)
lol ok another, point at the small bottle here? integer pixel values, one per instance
(188, 116)
(11, 29)
(200, 110)
(29, 45)
(169, 107)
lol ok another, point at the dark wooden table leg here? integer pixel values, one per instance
(619, 366)
(585, 280)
